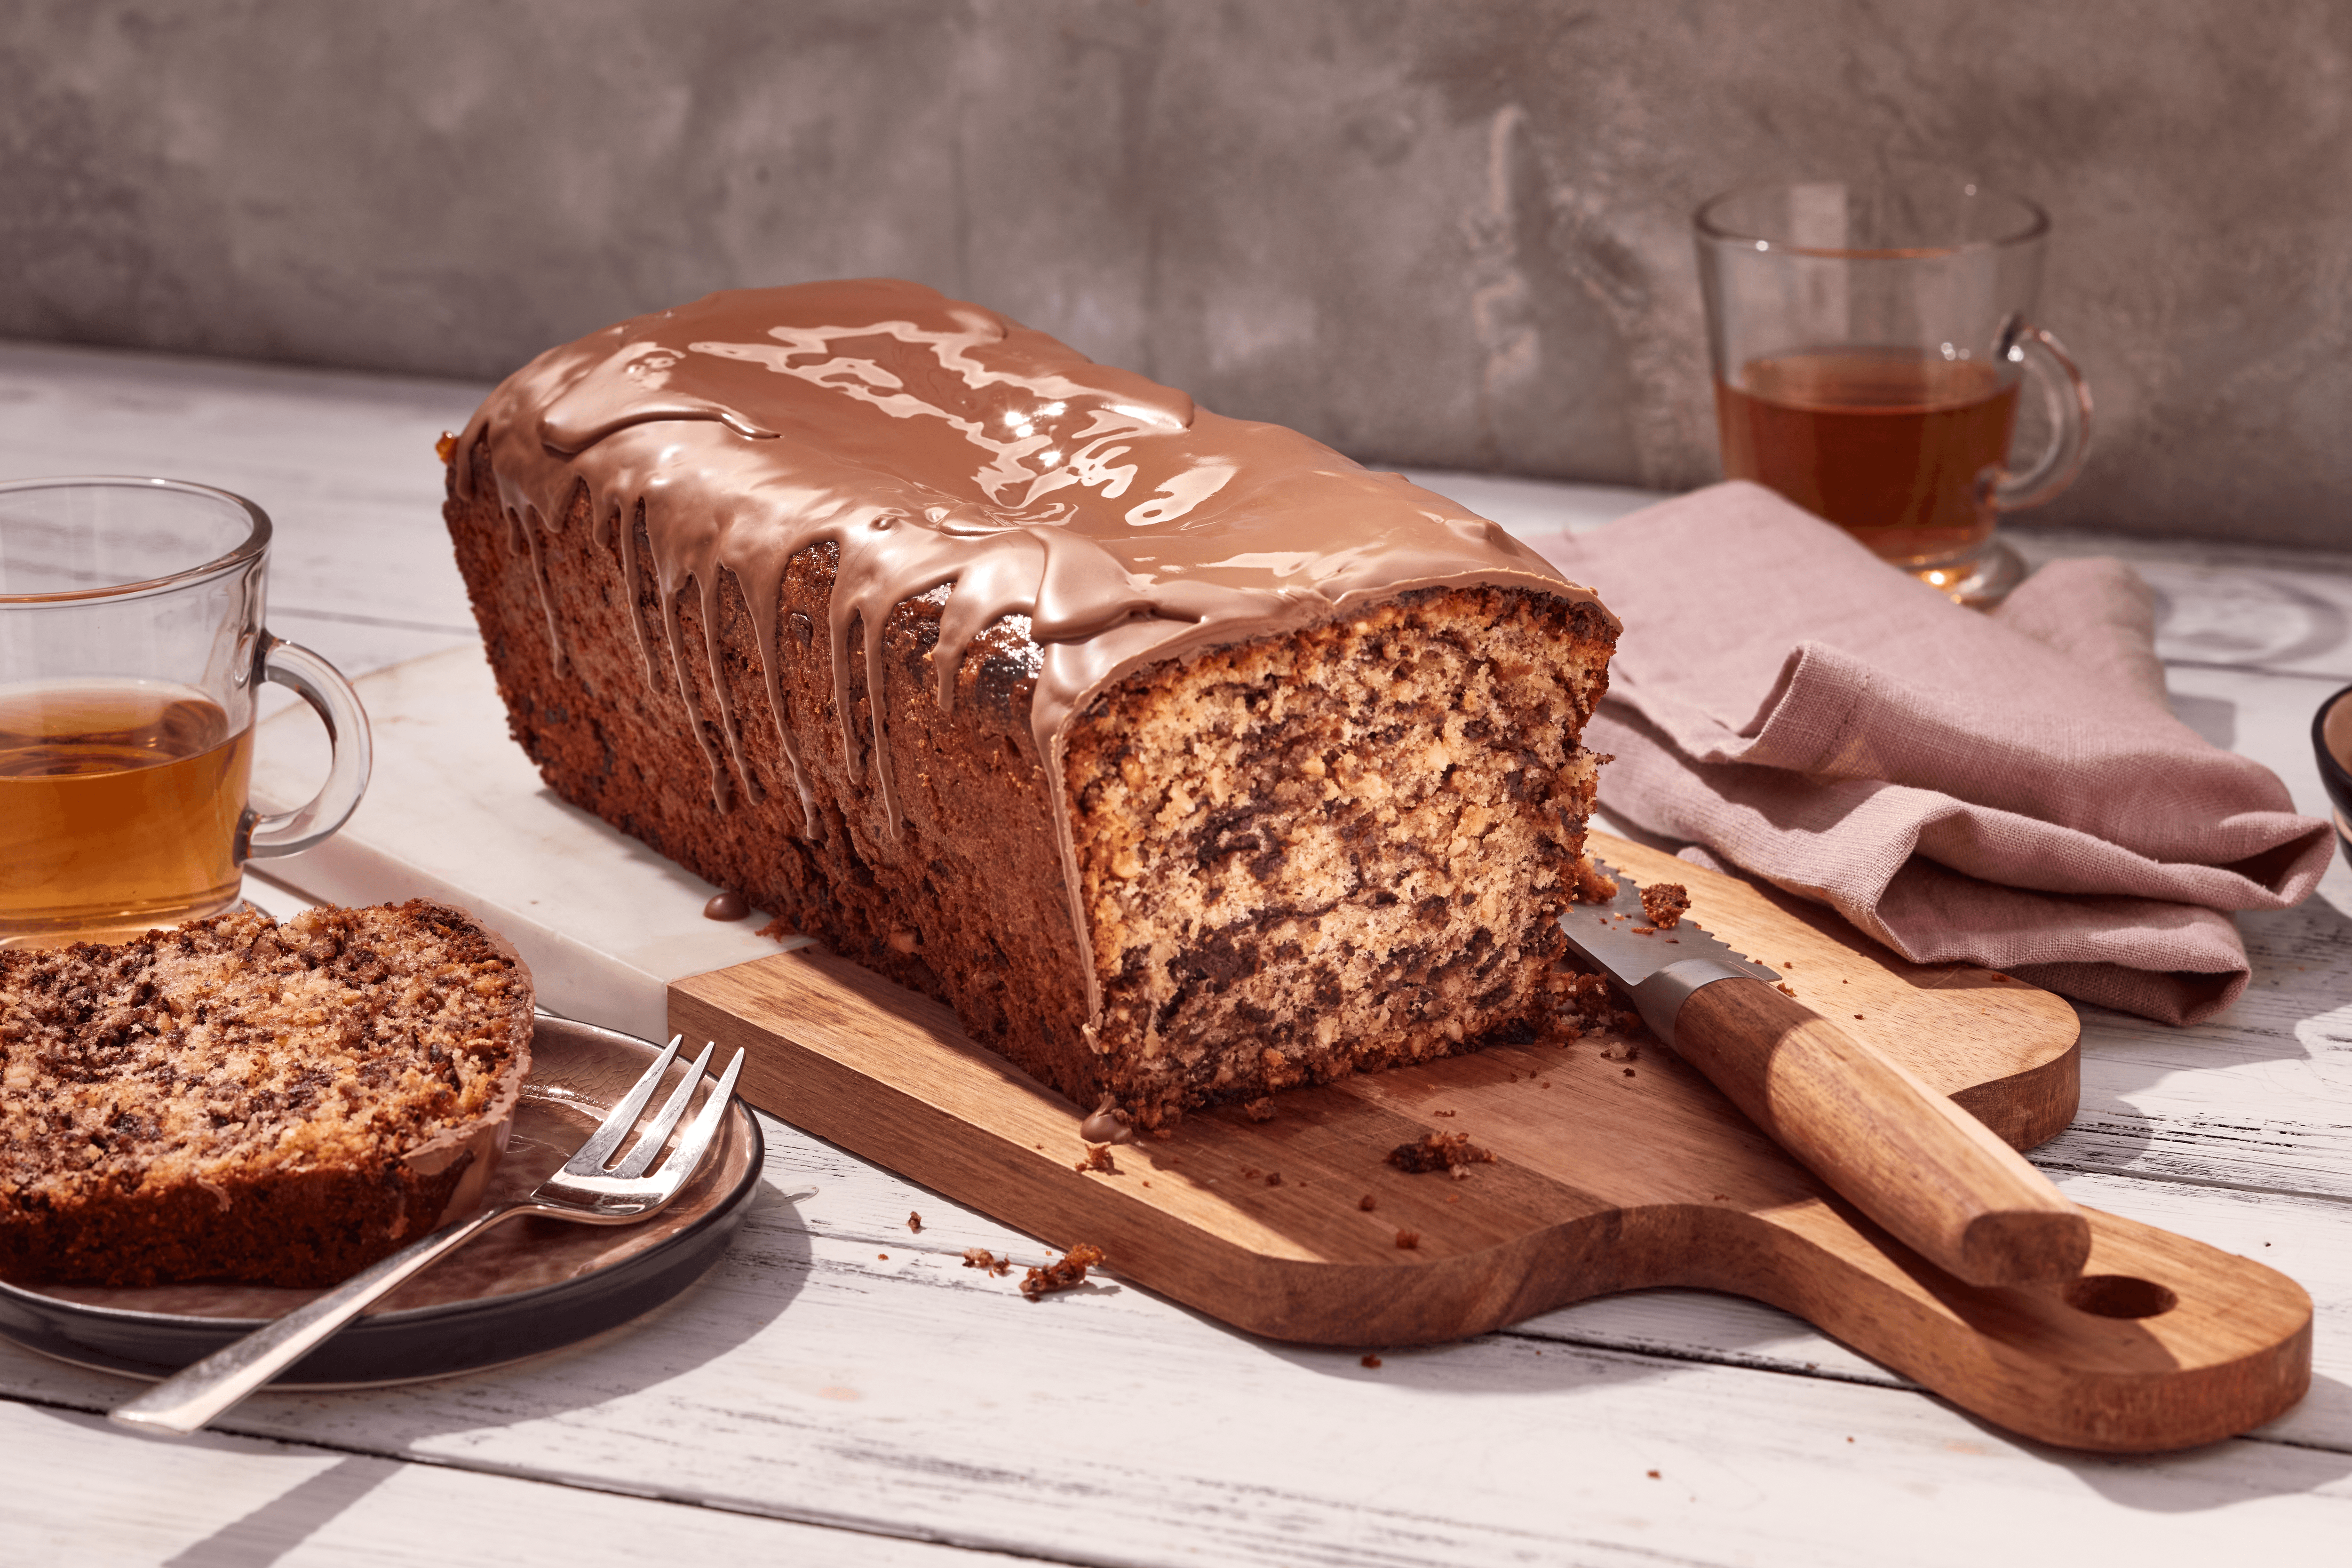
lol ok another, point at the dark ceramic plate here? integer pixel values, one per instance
(528, 1286)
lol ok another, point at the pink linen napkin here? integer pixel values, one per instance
(2008, 789)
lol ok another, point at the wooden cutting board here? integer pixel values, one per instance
(1616, 1166)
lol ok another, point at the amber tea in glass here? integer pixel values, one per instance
(130, 645)
(125, 797)
(1869, 348)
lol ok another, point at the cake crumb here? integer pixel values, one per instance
(1260, 1109)
(1440, 1151)
(987, 1262)
(914, 1222)
(1629, 1072)
(1665, 902)
(1162, 1134)
(1098, 1159)
(1783, 989)
(1643, 930)
(1592, 886)
(447, 447)
(1366, 1202)
(1653, 1475)
(1444, 1114)
(1251, 1172)
(1067, 1275)
(1273, 1178)
(1372, 1361)
(777, 930)
(1407, 1239)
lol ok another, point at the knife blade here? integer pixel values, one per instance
(1906, 1156)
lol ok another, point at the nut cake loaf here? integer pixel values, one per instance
(1183, 757)
(242, 1100)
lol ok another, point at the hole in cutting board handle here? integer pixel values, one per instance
(2119, 1296)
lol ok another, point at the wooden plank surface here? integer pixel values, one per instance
(214, 1501)
(812, 1378)
(1119, 1428)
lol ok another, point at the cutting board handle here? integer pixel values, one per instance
(2161, 1343)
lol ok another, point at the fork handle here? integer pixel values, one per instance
(198, 1392)
(1902, 1153)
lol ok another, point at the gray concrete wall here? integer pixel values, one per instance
(1431, 233)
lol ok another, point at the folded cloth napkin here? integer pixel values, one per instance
(2008, 789)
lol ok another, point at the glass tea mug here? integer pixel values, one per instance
(1870, 346)
(131, 646)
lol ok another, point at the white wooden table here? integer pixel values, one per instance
(840, 1390)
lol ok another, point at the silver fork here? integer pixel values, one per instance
(583, 1190)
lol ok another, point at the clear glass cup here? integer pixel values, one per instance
(132, 647)
(1870, 346)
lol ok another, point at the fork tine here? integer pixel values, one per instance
(590, 1159)
(686, 1158)
(650, 1141)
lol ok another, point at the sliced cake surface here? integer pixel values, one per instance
(244, 1100)
(866, 603)
(1339, 850)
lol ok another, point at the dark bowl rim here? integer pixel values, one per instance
(2331, 773)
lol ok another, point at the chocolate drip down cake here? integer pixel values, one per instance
(1186, 759)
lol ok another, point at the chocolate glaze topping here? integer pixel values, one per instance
(938, 445)
(1106, 1125)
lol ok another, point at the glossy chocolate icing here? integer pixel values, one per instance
(936, 443)
(1106, 1125)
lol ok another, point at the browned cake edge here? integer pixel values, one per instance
(966, 902)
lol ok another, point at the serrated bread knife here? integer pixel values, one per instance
(1904, 1154)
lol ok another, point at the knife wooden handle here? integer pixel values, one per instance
(1904, 1154)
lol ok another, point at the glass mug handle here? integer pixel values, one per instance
(2067, 397)
(323, 686)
